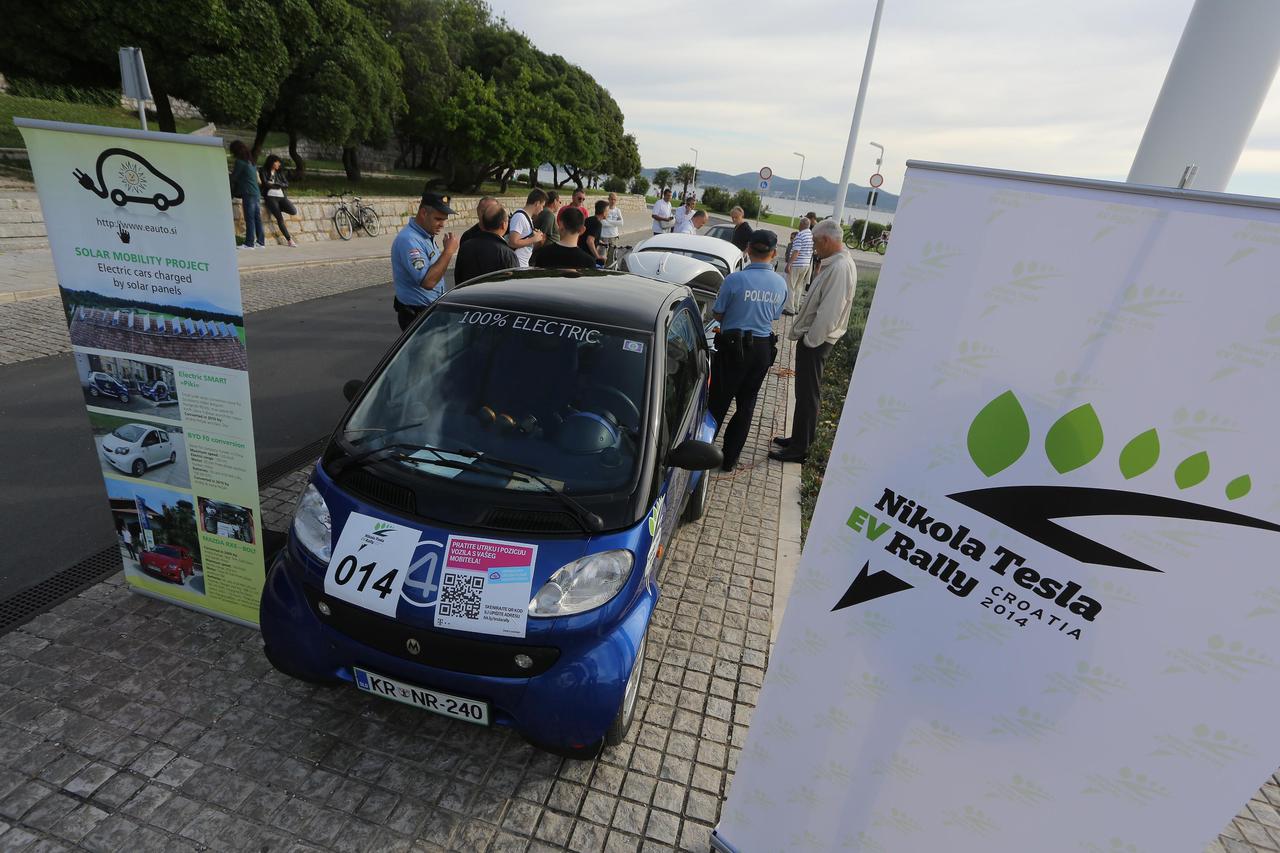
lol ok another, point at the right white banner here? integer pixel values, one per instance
(1039, 604)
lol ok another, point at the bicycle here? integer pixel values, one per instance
(879, 244)
(347, 218)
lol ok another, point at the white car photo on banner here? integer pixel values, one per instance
(1038, 601)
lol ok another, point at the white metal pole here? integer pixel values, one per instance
(843, 189)
(1216, 84)
(871, 195)
(795, 205)
(695, 170)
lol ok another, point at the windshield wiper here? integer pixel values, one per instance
(396, 449)
(591, 523)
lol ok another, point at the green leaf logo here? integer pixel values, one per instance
(1074, 440)
(1239, 487)
(1140, 454)
(999, 434)
(1192, 470)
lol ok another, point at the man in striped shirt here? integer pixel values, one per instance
(799, 263)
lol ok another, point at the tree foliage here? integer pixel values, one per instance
(685, 174)
(717, 198)
(639, 185)
(662, 179)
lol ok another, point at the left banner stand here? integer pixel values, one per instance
(141, 234)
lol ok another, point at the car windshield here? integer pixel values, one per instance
(168, 551)
(561, 399)
(129, 432)
(715, 260)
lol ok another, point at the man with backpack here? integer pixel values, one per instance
(522, 237)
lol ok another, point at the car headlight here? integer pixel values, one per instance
(123, 451)
(312, 524)
(583, 584)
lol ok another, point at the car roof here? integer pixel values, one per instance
(723, 249)
(606, 297)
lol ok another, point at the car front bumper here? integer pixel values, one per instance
(567, 706)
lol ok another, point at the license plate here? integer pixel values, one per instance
(445, 704)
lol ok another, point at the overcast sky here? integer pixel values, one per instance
(1063, 88)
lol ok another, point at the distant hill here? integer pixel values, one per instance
(817, 189)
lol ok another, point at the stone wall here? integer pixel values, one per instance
(314, 219)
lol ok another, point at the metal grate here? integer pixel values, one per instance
(70, 582)
(530, 521)
(380, 491)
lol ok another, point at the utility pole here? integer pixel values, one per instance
(795, 206)
(1216, 84)
(695, 170)
(871, 195)
(843, 189)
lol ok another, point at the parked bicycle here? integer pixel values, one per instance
(878, 244)
(347, 218)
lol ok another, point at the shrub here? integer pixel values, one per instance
(25, 87)
(717, 199)
(639, 185)
(614, 185)
(873, 229)
(749, 201)
(522, 178)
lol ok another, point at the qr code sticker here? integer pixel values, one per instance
(460, 596)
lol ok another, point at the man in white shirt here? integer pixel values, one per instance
(522, 237)
(691, 224)
(662, 215)
(684, 213)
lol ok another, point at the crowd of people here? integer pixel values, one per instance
(257, 187)
(818, 289)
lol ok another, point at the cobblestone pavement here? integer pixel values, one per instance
(134, 725)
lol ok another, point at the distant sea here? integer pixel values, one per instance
(787, 207)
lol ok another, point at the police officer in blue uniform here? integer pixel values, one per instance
(418, 265)
(749, 303)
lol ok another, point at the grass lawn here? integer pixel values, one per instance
(835, 386)
(11, 106)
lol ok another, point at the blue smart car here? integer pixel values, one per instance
(484, 534)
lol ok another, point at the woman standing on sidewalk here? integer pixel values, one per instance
(276, 182)
(244, 186)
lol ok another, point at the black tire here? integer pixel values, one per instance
(882, 247)
(139, 468)
(124, 398)
(866, 245)
(93, 391)
(372, 225)
(630, 699)
(343, 224)
(697, 504)
(173, 456)
(161, 203)
(850, 241)
(118, 198)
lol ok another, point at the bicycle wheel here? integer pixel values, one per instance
(343, 223)
(882, 246)
(851, 240)
(866, 245)
(369, 221)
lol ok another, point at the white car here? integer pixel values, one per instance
(721, 254)
(702, 277)
(133, 448)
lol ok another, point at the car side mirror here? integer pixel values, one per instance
(352, 388)
(694, 455)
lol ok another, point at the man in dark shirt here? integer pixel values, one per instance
(565, 253)
(590, 240)
(546, 220)
(741, 230)
(487, 251)
(475, 230)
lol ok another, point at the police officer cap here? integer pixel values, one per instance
(437, 201)
(763, 240)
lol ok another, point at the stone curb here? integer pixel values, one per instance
(24, 295)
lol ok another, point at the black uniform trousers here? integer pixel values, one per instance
(804, 425)
(736, 376)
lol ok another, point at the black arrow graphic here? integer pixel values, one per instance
(866, 587)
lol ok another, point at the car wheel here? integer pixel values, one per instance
(173, 456)
(124, 398)
(93, 392)
(630, 698)
(697, 504)
(139, 468)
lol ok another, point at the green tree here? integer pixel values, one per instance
(685, 174)
(661, 180)
(717, 198)
(639, 185)
(225, 56)
(749, 201)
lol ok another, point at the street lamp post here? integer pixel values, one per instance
(871, 195)
(843, 189)
(795, 205)
(695, 170)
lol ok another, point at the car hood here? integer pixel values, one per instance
(677, 269)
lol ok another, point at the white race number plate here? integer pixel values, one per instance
(446, 704)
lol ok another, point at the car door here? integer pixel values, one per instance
(163, 446)
(150, 443)
(685, 376)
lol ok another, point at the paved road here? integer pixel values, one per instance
(51, 497)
